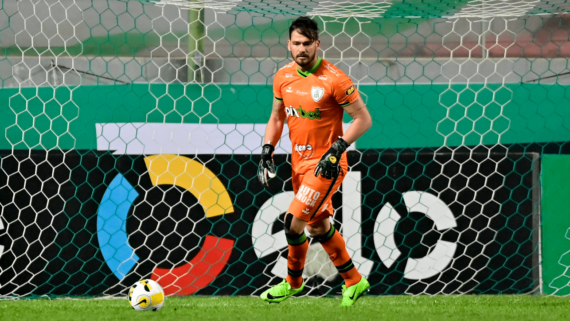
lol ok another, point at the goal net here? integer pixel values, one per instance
(132, 134)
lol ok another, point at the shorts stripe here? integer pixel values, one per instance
(324, 197)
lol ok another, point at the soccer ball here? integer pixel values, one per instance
(146, 295)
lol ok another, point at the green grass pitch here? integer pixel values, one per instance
(496, 308)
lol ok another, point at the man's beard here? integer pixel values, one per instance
(309, 60)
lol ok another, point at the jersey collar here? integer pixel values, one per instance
(307, 73)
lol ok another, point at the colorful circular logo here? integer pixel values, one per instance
(211, 194)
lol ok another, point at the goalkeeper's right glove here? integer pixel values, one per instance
(266, 168)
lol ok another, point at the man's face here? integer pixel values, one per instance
(303, 49)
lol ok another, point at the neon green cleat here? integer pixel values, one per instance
(353, 293)
(280, 292)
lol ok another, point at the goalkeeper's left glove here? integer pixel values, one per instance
(267, 167)
(329, 165)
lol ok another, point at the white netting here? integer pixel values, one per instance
(133, 128)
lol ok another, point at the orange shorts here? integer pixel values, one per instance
(313, 196)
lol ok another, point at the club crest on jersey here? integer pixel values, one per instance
(317, 93)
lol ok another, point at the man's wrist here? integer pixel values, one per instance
(267, 149)
(342, 144)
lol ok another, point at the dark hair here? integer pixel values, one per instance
(305, 26)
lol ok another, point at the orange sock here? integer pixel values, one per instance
(298, 246)
(334, 245)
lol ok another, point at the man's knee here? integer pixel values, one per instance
(327, 235)
(288, 222)
(293, 225)
(315, 231)
(319, 228)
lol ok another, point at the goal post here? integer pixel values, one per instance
(132, 134)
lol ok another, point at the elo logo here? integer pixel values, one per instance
(384, 228)
(439, 258)
(212, 196)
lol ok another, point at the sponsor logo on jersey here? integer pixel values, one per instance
(323, 77)
(289, 90)
(307, 211)
(301, 93)
(350, 91)
(317, 93)
(301, 113)
(288, 75)
(307, 196)
(304, 151)
(332, 70)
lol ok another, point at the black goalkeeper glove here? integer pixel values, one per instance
(329, 165)
(266, 168)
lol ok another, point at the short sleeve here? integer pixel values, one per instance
(344, 92)
(277, 87)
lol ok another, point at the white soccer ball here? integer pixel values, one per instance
(146, 295)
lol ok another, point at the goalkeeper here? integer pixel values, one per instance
(312, 95)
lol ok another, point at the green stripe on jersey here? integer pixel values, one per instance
(307, 73)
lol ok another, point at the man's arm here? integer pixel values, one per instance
(274, 128)
(328, 166)
(362, 121)
(273, 131)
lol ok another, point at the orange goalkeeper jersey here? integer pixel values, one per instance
(314, 102)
